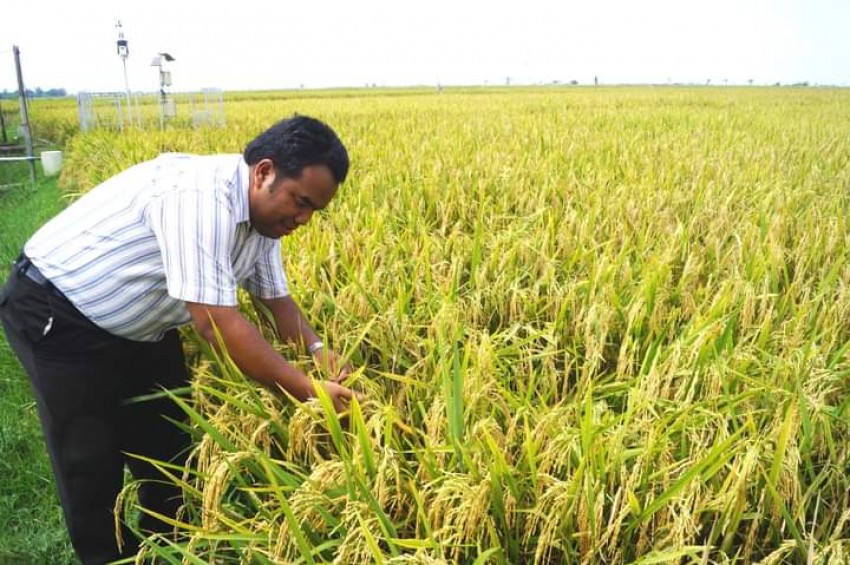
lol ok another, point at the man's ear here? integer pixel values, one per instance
(263, 170)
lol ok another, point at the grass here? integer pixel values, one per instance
(32, 529)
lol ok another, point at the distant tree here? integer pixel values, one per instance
(37, 93)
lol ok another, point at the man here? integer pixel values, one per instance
(92, 305)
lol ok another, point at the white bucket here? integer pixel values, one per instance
(51, 162)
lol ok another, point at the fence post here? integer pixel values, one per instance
(25, 121)
(3, 125)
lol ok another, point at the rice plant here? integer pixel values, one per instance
(591, 325)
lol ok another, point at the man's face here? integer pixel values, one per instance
(277, 207)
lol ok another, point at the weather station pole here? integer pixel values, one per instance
(124, 52)
(166, 104)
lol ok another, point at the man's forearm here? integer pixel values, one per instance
(292, 326)
(254, 356)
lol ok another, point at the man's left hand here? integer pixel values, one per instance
(332, 363)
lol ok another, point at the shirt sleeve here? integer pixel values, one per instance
(195, 232)
(268, 279)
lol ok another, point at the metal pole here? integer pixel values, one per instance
(127, 88)
(25, 121)
(82, 112)
(119, 112)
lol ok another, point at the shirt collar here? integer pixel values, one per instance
(241, 185)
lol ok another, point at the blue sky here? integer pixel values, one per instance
(286, 44)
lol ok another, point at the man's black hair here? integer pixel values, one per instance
(298, 142)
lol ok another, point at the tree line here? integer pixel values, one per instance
(37, 93)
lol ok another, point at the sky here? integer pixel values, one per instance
(266, 44)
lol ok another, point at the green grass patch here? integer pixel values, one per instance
(31, 526)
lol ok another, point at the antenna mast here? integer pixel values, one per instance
(123, 47)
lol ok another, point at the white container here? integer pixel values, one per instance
(51, 163)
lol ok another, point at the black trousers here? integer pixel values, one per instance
(84, 380)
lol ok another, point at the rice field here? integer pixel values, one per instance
(591, 325)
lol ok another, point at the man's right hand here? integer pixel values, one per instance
(340, 396)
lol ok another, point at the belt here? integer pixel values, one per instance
(30, 271)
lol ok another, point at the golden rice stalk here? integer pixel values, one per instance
(459, 513)
(361, 530)
(421, 557)
(216, 486)
(389, 488)
(545, 530)
(309, 440)
(128, 496)
(309, 502)
(781, 554)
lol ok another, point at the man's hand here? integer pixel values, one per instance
(340, 396)
(333, 364)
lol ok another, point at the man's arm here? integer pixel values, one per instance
(290, 323)
(253, 354)
(293, 327)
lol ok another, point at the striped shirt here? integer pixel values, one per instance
(131, 252)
